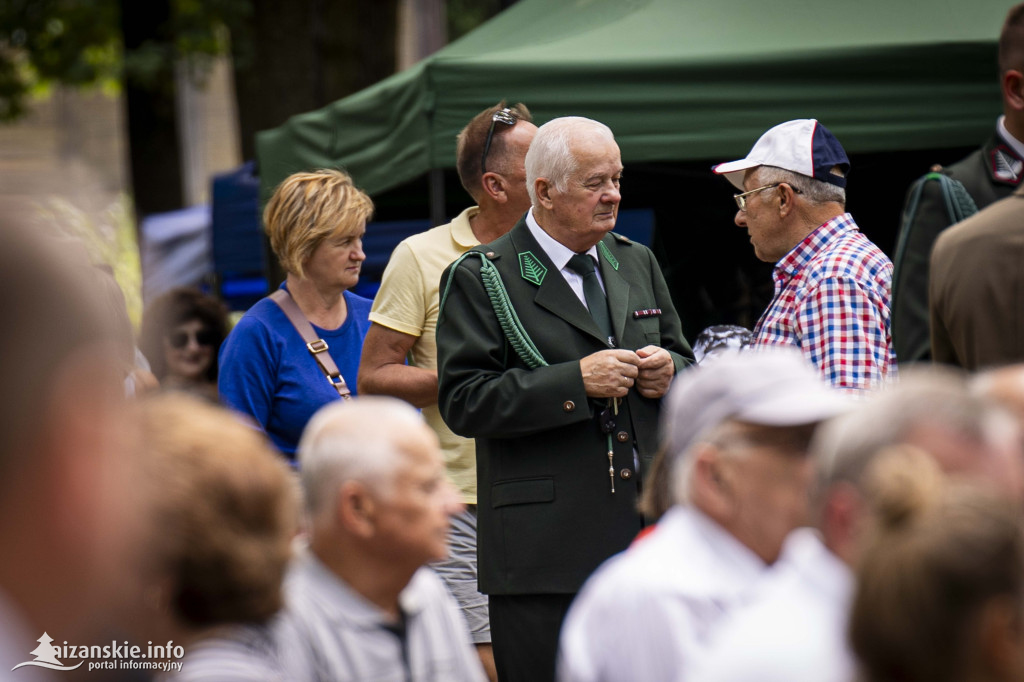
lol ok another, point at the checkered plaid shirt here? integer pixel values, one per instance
(832, 296)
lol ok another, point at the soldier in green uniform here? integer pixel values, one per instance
(988, 174)
(556, 343)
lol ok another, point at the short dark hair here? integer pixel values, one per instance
(1011, 40)
(469, 146)
(175, 307)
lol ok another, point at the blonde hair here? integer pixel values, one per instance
(309, 207)
(935, 554)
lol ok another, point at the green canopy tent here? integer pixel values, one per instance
(674, 79)
(684, 83)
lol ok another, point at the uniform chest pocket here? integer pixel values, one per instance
(522, 491)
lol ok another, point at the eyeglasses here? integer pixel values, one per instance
(505, 116)
(179, 340)
(741, 199)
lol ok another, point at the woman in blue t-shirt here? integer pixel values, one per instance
(315, 222)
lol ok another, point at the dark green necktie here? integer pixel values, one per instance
(583, 265)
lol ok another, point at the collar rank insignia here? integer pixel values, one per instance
(1006, 166)
(606, 252)
(646, 312)
(531, 268)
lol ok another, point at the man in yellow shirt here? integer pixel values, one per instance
(491, 154)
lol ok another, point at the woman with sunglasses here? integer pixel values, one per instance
(316, 222)
(182, 331)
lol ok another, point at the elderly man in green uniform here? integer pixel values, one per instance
(556, 343)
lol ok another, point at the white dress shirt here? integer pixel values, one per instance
(1017, 145)
(794, 627)
(645, 613)
(560, 254)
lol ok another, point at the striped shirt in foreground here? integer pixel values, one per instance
(233, 654)
(832, 301)
(328, 632)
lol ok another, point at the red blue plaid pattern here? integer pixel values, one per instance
(832, 296)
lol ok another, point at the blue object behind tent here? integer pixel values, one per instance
(237, 237)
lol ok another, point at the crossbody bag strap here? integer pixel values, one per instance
(316, 346)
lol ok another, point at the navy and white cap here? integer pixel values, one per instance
(802, 146)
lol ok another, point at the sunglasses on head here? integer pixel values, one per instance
(506, 116)
(179, 340)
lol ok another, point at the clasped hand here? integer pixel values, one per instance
(611, 373)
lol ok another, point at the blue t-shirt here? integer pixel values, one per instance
(267, 372)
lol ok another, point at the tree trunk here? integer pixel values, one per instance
(296, 56)
(153, 150)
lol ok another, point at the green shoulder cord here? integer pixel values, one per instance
(517, 336)
(959, 205)
(513, 329)
(958, 202)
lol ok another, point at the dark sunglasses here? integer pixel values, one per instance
(505, 116)
(179, 340)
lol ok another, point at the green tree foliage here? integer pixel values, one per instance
(79, 43)
(465, 15)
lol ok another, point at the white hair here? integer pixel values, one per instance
(814, 191)
(352, 440)
(550, 155)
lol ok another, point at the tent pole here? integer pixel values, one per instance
(435, 179)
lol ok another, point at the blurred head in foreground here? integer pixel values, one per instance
(375, 486)
(225, 509)
(735, 435)
(67, 509)
(940, 593)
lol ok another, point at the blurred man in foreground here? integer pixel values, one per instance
(67, 506)
(225, 510)
(360, 604)
(737, 431)
(794, 628)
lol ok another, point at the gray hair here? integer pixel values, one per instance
(813, 191)
(932, 397)
(353, 440)
(733, 438)
(681, 466)
(550, 155)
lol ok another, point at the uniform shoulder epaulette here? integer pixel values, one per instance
(622, 238)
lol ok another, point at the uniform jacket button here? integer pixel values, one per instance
(622, 436)
(568, 406)
(626, 474)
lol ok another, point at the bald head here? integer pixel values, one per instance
(365, 440)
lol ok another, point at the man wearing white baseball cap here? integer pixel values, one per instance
(735, 433)
(832, 284)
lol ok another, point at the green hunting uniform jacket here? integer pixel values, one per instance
(547, 516)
